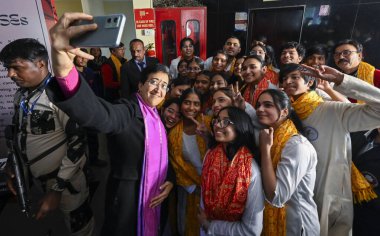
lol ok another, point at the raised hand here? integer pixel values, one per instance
(201, 127)
(238, 100)
(323, 72)
(62, 52)
(266, 139)
(323, 85)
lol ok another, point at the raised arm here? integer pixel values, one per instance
(62, 53)
(78, 100)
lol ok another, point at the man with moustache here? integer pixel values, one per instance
(327, 124)
(348, 57)
(51, 145)
(131, 71)
(232, 49)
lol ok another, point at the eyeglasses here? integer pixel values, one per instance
(345, 53)
(158, 84)
(222, 123)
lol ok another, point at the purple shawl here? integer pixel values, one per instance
(154, 170)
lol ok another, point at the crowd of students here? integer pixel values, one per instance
(233, 145)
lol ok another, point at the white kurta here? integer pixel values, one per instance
(251, 223)
(328, 129)
(295, 174)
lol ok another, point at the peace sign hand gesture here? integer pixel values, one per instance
(201, 127)
(238, 100)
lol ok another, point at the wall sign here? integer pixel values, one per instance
(145, 18)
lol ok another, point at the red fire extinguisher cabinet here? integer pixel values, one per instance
(173, 24)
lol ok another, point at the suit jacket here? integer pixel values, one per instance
(131, 75)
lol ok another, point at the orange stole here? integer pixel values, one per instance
(186, 174)
(225, 183)
(365, 73)
(252, 96)
(275, 218)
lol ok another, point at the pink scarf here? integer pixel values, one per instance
(154, 170)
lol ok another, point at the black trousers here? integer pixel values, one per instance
(121, 207)
(93, 145)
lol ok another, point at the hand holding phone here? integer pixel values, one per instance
(108, 33)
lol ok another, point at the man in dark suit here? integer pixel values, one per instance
(131, 71)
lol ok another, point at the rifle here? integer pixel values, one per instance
(16, 166)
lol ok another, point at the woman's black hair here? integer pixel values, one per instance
(198, 61)
(184, 40)
(268, 60)
(226, 91)
(189, 91)
(182, 61)
(281, 102)
(169, 102)
(220, 52)
(224, 75)
(244, 129)
(181, 81)
(154, 69)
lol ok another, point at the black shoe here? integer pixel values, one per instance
(98, 163)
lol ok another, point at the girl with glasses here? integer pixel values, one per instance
(187, 147)
(232, 196)
(288, 168)
(194, 68)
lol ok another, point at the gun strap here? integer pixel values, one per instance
(45, 153)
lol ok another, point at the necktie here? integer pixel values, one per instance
(141, 65)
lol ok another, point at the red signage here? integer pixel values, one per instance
(145, 19)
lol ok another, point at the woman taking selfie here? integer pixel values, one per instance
(231, 184)
(288, 168)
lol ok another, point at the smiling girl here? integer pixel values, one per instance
(187, 148)
(231, 184)
(288, 167)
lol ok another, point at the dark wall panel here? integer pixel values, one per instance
(356, 19)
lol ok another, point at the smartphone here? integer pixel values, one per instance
(108, 34)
